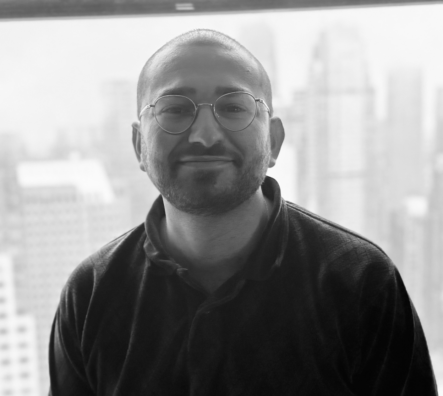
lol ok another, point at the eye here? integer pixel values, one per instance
(176, 110)
(232, 108)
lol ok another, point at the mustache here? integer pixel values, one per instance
(197, 149)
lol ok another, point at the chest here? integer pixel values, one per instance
(250, 342)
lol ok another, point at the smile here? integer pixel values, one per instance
(205, 161)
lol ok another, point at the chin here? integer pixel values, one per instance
(207, 200)
(208, 192)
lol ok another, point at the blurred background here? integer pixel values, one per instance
(359, 90)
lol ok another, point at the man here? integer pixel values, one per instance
(227, 289)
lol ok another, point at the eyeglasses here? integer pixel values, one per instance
(234, 111)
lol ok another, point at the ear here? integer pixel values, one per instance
(277, 135)
(136, 142)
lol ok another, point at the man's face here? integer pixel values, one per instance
(206, 170)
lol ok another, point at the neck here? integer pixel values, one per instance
(213, 248)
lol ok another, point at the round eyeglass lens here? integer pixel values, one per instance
(235, 111)
(174, 113)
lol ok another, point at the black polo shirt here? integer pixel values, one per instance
(316, 310)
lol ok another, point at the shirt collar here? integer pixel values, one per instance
(263, 260)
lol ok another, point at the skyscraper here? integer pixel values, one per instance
(377, 204)
(117, 152)
(439, 122)
(404, 171)
(120, 110)
(18, 347)
(338, 119)
(291, 154)
(261, 43)
(434, 250)
(69, 211)
(404, 136)
(410, 244)
(11, 152)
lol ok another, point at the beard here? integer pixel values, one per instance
(204, 193)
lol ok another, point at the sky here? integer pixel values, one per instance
(52, 71)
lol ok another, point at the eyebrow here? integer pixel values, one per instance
(178, 91)
(220, 90)
(229, 89)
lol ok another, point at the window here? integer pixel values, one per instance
(384, 130)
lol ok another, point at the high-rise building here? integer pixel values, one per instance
(404, 136)
(338, 120)
(291, 153)
(434, 249)
(284, 172)
(410, 246)
(261, 43)
(18, 346)
(11, 152)
(117, 152)
(69, 211)
(377, 204)
(404, 176)
(120, 111)
(84, 140)
(438, 146)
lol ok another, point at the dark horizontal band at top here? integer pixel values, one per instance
(17, 9)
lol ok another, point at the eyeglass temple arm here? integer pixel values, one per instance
(144, 109)
(263, 103)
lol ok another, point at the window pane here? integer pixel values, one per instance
(360, 92)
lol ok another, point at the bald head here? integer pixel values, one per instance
(201, 37)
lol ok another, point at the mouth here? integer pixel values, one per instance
(205, 161)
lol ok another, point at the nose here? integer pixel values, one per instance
(205, 129)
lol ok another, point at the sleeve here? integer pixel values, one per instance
(66, 363)
(394, 356)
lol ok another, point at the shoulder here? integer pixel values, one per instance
(335, 256)
(353, 294)
(329, 238)
(346, 274)
(111, 261)
(122, 249)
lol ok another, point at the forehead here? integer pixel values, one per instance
(202, 71)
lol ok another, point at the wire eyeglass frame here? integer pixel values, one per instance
(212, 105)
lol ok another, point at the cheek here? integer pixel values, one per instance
(254, 144)
(156, 145)
(263, 137)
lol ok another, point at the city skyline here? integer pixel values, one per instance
(339, 103)
(339, 74)
(61, 64)
(18, 339)
(69, 210)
